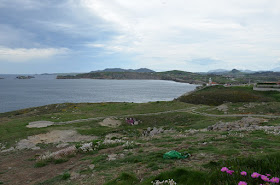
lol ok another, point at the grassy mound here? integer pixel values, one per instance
(217, 95)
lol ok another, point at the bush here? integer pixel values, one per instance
(65, 176)
(124, 179)
(218, 95)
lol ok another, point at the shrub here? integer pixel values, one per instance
(124, 179)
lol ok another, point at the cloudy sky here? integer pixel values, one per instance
(85, 35)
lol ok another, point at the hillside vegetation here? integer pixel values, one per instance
(217, 95)
(175, 75)
(231, 77)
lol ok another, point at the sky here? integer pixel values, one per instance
(53, 36)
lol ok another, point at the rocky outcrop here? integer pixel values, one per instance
(155, 131)
(245, 124)
(237, 125)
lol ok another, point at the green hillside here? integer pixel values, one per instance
(217, 95)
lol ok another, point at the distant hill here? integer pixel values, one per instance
(231, 77)
(174, 75)
(141, 70)
(230, 72)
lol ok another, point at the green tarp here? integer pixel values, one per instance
(175, 155)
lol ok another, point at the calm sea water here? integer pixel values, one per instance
(45, 89)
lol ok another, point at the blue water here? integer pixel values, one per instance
(46, 89)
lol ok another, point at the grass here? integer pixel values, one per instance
(13, 124)
(144, 160)
(124, 179)
(70, 111)
(217, 95)
(56, 180)
(247, 108)
(261, 164)
(212, 175)
(180, 176)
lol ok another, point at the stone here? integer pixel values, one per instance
(92, 166)
(8, 150)
(74, 175)
(39, 124)
(112, 157)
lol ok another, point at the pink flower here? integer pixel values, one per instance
(255, 175)
(268, 175)
(224, 169)
(230, 172)
(274, 180)
(243, 173)
(264, 178)
(242, 183)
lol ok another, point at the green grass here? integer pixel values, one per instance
(13, 124)
(217, 95)
(146, 157)
(264, 164)
(124, 179)
(212, 175)
(180, 176)
(70, 111)
(56, 180)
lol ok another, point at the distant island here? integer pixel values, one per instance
(25, 77)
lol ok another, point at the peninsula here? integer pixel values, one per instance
(233, 77)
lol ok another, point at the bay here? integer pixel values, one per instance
(46, 89)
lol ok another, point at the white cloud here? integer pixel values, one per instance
(240, 33)
(25, 55)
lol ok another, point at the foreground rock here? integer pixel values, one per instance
(54, 137)
(245, 124)
(236, 125)
(109, 122)
(39, 124)
(155, 131)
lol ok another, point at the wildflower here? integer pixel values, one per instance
(264, 178)
(242, 183)
(268, 175)
(255, 175)
(224, 169)
(274, 180)
(243, 173)
(230, 172)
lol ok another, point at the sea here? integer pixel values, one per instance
(42, 90)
